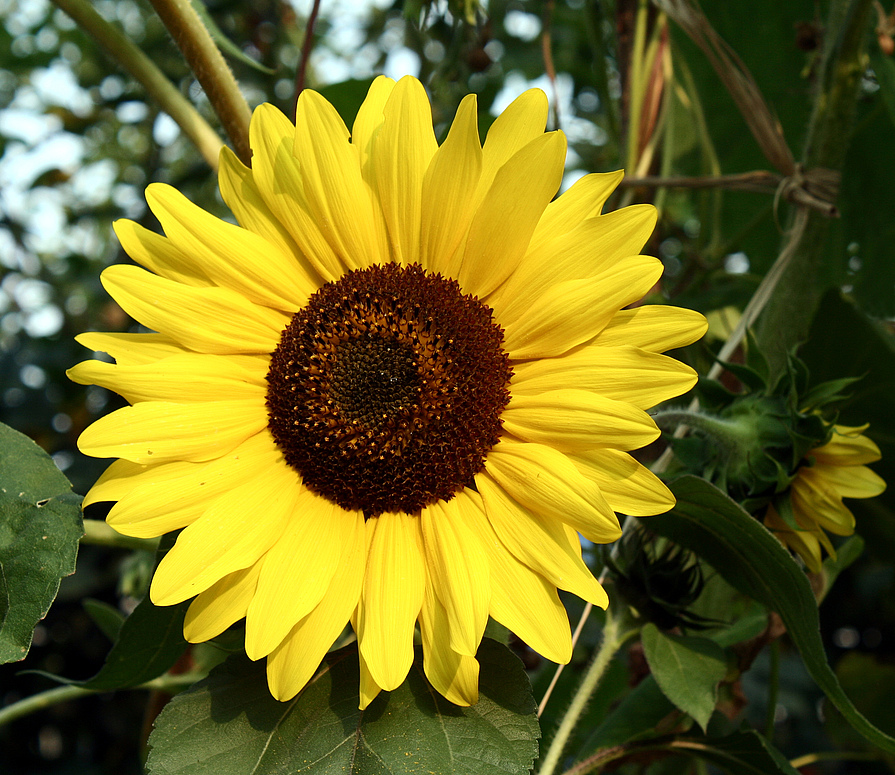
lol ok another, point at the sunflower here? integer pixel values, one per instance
(829, 473)
(393, 395)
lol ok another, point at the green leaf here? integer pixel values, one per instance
(40, 524)
(706, 521)
(687, 669)
(640, 713)
(148, 645)
(229, 724)
(107, 617)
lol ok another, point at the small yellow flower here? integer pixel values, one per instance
(393, 395)
(831, 472)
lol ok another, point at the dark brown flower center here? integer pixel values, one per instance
(386, 390)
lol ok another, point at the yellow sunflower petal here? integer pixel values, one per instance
(297, 570)
(231, 256)
(154, 500)
(629, 487)
(392, 596)
(454, 675)
(158, 254)
(523, 121)
(523, 600)
(337, 195)
(224, 603)
(628, 374)
(848, 481)
(402, 150)
(369, 689)
(211, 320)
(538, 542)
(573, 420)
(584, 199)
(276, 173)
(370, 117)
(448, 188)
(653, 327)
(575, 311)
(814, 503)
(156, 432)
(503, 223)
(292, 664)
(180, 378)
(847, 447)
(458, 571)
(596, 246)
(131, 349)
(241, 194)
(547, 482)
(229, 536)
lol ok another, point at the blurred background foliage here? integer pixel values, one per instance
(79, 141)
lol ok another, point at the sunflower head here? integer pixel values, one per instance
(392, 395)
(776, 448)
(753, 442)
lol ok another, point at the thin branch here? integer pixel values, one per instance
(208, 65)
(547, 54)
(306, 48)
(758, 181)
(559, 668)
(131, 59)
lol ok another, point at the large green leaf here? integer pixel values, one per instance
(687, 669)
(229, 724)
(40, 524)
(706, 521)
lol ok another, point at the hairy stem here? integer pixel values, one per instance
(616, 632)
(209, 67)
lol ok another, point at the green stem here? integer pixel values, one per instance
(729, 432)
(616, 632)
(209, 67)
(98, 533)
(141, 67)
(60, 694)
(787, 318)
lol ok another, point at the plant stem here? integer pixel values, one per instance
(209, 67)
(134, 61)
(616, 631)
(729, 432)
(99, 533)
(787, 318)
(60, 694)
